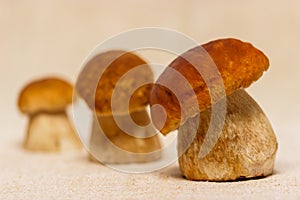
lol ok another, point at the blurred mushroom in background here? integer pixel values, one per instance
(116, 86)
(49, 129)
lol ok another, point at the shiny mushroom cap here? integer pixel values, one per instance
(238, 63)
(115, 71)
(45, 95)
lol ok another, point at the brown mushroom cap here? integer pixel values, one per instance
(99, 77)
(239, 65)
(45, 95)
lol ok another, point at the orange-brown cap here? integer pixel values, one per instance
(239, 65)
(115, 71)
(45, 95)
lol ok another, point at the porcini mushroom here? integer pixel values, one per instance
(49, 128)
(114, 139)
(246, 146)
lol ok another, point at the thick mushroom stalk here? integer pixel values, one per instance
(49, 128)
(246, 147)
(50, 132)
(110, 144)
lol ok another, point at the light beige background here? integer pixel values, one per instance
(41, 37)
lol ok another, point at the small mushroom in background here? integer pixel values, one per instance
(247, 145)
(114, 139)
(49, 128)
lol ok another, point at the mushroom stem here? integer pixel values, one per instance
(50, 132)
(246, 147)
(111, 144)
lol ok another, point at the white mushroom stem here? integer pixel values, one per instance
(246, 147)
(51, 132)
(110, 144)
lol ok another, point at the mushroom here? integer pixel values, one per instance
(121, 129)
(245, 146)
(49, 128)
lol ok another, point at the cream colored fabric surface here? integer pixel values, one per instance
(39, 38)
(72, 176)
